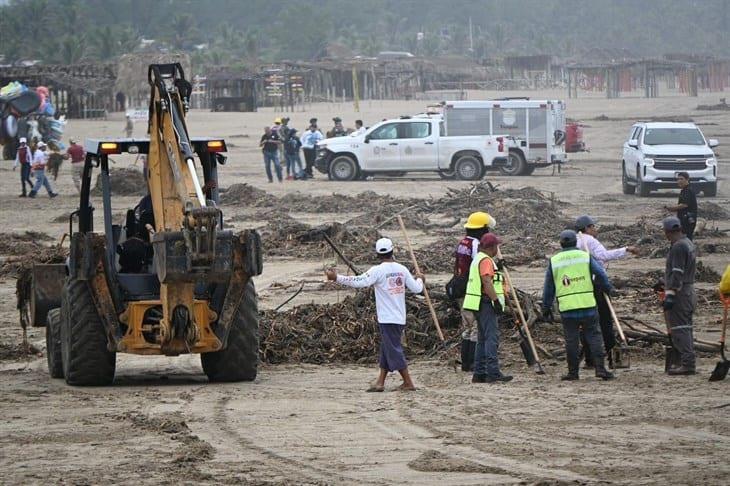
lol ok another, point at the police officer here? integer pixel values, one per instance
(485, 296)
(680, 299)
(569, 277)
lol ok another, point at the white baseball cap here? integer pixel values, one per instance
(23, 140)
(383, 246)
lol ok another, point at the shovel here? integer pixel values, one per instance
(522, 339)
(721, 368)
(523, 323)
(621, 356)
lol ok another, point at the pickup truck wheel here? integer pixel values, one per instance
(625, 186)
(529, 169)
(448, 175)
(710, 190)
(343, 168)
(515, 164)
(468, 168)
(642, 188)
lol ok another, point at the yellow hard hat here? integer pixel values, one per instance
(479, 220)
(277, 120)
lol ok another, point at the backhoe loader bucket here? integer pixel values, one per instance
(46, 289)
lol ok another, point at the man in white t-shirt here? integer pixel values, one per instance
(390, 279)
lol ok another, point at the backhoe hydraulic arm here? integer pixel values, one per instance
(185, 224)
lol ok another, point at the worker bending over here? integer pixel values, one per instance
(485, 297)
(390, 279)
(569, 277)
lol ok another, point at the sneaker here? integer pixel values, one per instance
(53, 194)
(23, 195)
(570, 377)
(32, 194)
(502, 379)
(479, 378)
(681, 371)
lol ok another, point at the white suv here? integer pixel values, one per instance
(655, 152)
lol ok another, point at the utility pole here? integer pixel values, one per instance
(471, 38)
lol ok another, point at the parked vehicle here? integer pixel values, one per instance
(536, 127)
(655, 152)
(418, 144)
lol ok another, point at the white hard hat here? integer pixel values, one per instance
(383, 246)
(23, 140)
(41, 145)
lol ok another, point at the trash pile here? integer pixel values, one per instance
(20, 250)
(285, 236)
(127, 181)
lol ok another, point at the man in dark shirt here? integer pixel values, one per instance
(680, 299)
(686, 207)
(269, 144)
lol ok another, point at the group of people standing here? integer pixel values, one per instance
(37, 161)
(282, 142)
(575, 277)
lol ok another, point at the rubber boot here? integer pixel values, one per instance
(603, 373)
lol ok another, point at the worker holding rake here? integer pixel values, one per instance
(390, 279)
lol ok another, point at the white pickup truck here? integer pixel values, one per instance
(393, 147)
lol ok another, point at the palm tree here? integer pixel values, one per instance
(105, 43)
(72, 49)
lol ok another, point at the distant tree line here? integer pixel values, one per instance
(244, 33)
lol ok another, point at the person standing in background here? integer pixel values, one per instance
(291, 152)
(77, 154)
(686, 207)
(309, 146)
(359, 128)
(24, 157)
(129, 127)
(269, 144)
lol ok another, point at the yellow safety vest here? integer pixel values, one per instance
(572, 277)
(474, 285)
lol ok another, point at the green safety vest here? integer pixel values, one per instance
(474, 285)
(573, 282)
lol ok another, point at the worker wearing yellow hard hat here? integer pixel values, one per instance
(480, 220)
(477, 225)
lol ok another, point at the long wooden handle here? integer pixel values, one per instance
(724, 326)
(418, 270)
(513, 292)
(615, 319)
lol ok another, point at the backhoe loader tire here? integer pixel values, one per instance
(53, 343)
(239, 360)
(86, 359)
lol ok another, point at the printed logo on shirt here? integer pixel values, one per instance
(395, 283)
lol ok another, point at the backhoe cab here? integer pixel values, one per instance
(169, 279)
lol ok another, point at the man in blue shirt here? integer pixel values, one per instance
(570, 277)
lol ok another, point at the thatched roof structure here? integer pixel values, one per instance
(132, 72)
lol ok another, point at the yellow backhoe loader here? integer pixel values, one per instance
(167, 280)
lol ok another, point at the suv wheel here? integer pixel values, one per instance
(710, 190)
(642, 188)
(343, 168)
(625, 186)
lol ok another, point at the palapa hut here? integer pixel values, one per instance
(132, 80)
